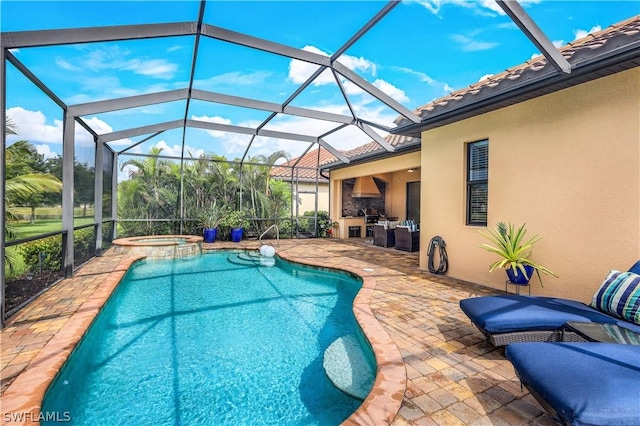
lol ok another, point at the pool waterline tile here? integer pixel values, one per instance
(398, 307)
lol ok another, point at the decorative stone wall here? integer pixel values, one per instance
(351, 206)
(163, 248)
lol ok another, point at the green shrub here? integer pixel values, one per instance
(306, 223)
(51, 247)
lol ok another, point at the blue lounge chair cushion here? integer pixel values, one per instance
(512, 313)
(585, 383)
(619, 295)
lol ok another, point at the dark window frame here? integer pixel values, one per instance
(407, 200)
(475, 183)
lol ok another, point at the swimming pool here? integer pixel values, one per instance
(207, 341)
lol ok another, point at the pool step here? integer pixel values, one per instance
(250, 259)
(348, 368)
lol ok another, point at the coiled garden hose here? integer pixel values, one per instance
(437, 242)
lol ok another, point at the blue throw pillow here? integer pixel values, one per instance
(619, 296)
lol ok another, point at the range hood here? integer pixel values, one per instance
(365, 187)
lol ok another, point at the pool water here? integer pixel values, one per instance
(205, 341)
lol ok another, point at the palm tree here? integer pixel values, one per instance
(21, 186)
(27, 184)
(155, 193)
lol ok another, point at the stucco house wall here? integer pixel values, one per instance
(307, 200)
(567, 164)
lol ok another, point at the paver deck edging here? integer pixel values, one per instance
(383, 402)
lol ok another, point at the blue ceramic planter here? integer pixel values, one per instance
(518, 277)
(236, 235)
(210, 234)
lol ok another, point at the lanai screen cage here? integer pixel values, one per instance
(215, 95)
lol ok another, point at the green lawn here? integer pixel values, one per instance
(43, 226)
(25, 229)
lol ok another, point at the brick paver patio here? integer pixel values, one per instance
(453, 377)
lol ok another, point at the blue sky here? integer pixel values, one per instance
(420, 51)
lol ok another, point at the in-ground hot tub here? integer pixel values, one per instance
(160, 246)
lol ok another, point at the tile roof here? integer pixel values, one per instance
(616, 39)
(306, 166)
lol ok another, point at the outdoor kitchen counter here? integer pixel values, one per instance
(346, 222)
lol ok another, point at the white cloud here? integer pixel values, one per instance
(391, 90)
(157, 68)
(583, 33)
(214, 119)
(480, 7)
(32, 126)
(300, 71)
(486, 76)
(98, 125)
(116, 58)
(66, 65)
(235, 78)
(121, 143)
(467, 44)
(358, 64)
(45, 150)
(176, 150)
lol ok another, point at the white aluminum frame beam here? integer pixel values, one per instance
(518, 15)
(97, 195)
(374, 91)
(251, 131)
(3, 139)
(264, 45)
(98, 107)
(340, 156)
(376, 137)
(35, 80)
(68, 184)
(239, 101)
(22, 39)
(139, 131)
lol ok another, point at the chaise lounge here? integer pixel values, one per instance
(505, 319)
(582, 383)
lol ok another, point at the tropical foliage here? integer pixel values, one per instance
(214, 188)
(26, 183)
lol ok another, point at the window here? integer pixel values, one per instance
(477, 182)
(413, 201)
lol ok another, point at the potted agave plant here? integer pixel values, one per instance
(515, 253)
(210, 220)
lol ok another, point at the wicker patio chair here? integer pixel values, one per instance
(406, 239)
(383, 237)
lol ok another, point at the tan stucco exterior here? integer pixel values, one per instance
(567, 164)
(307, 198)
(391, 170)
